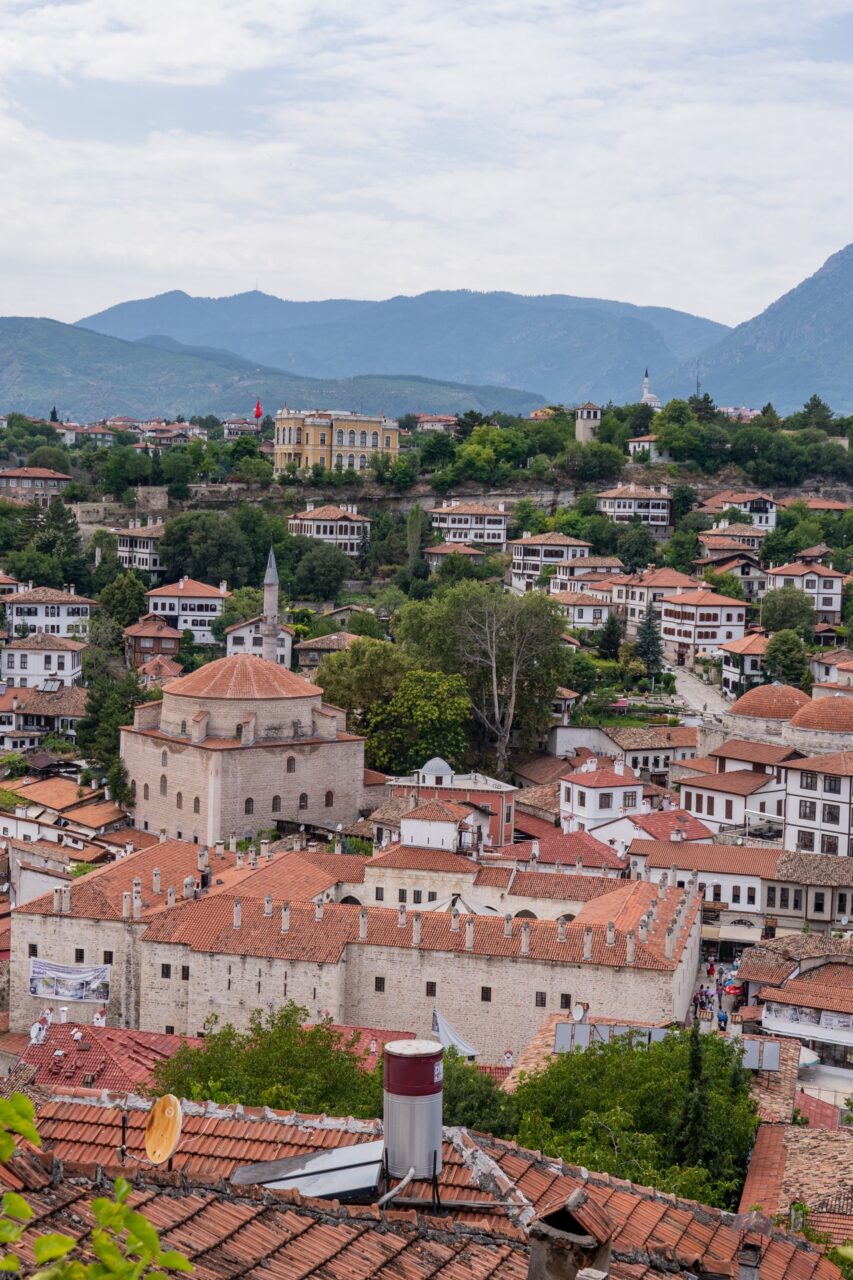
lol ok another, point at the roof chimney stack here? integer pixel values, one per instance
(189, 886)
(454, 920)
(285, 917)
(508, 925)
(266, 851)
(401, 916)
(232, 843)
(662, 886)
(469, 934)
(611, 933)
(162, 835)
(238, 913)
(57, 900)
(170, 896)
(318, 910)
(362, 925)
(202, 858)
(268, 905)
(126, 899)
(219, 848)
(240, 861)
(644, 930)
(155, 880)
(670, 942)
(629, 947)
(587, 943)
(525, 937)
(416, 928)
(561, 930)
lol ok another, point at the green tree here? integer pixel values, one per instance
(725, 584)
(178, 471)
(54, 416)
(255, 471)
(788, 609)
(124, 599)
(241, 605)
(787, 659)
(681, 550)
(125, 467)
(648, 647)
(636, 546)
(209, 547)
(506, 647)
(578, 671)
(321, 573)
(52, 456)
(367, 674)
(110, 705)
(366, 624)
(609, 638)
(684, 498)
(279, 1061)
(428, 716)
(417, 533)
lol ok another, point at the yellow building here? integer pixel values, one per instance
(337, 440)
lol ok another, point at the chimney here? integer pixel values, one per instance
(155, 880)
(232, 843)
(534, 850)
(162, 835)
(416, 928)
(362, 925)
(126, 899)
(670, 942)
(266, 851)
(401, 916)
(223, 587)
(137, 906)
(202, 858)
(619, 767)
(238, 913)
(587, 943)
(561, 930)
(507, 925)
(170, 897)
(189, 886)
(128, 848)
(253, 856)
(318, 910)
(240, 861)
(413, 1094)
(578, 866)
(181, 582)
(63, 1013)
(525, 937)
(71, 586)
(611, 933)
(57, 900)
(673, 875)
(268, 905)
(454, 920)
(662, 885)
(469, 934)
(219, 848)
(629, 947)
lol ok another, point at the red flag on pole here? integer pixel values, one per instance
(259, 413)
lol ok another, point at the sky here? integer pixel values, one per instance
(667, 152)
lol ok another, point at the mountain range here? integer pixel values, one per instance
(441, 351)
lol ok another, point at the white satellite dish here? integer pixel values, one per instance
(578, 1012)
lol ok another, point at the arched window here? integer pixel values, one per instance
(164, 759)
(276, 804)
(351, 461)
(339, 437)
(133, 788)
(238, 733)
(183, 728)
(179, 800)
(291, 764)
(362, 462)
(525, 915)
(196, 805)
(362, 439)
(351, 438)
(163, 784)
(339, 459)
(299, 435)
(145, 791)
(330, 799)
(303, 800)
(249, 806)
(374, 440)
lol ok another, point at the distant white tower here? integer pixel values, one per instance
(648, 396)
(587, 422)
(269, 621)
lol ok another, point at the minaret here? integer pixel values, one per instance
(269, 621)
(646, 387)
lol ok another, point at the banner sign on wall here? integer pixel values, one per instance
(70, 981)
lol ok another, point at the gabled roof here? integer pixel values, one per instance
(47, 595)
(118, 1057)
(468, 509)
(407, 857)
(152, 624)
(753, 752)
(735, 782)
(33, 473)
(577, 599)
(330, 512)
(703, 597)
(661, 825)
(799, 570)
(596, 778)
(752, 644)
(455, 549)
(732, 859)
(41, 641)
(189, 588)
(332, 643)
(839, 763)
(548, 540)
(250, 622)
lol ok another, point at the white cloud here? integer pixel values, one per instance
(661, 151)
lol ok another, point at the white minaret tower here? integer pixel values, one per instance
(646, 387)
(269, 621)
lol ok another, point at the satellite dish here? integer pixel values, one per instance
(163, 1130)
(577, 1012)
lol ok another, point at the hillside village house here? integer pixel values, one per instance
(188, 605)
(761, 506)
(533, 554)
(33, 484)
(698, 622)
(575, 575)
(818, 814)
(458, 520)
(151, 637)
(339, 441)
(739, 798)
(339, 526)
(432, 423)
(56, 613)
(649, 446)
(138, 548)
(825, 666)
(27, 715)
(633, 593)
(648, 504)
(582, 611)
(240, 745)
(593, 795)
(436, 780)
(29, 662)
(247, 637)
(742, 665)
(824, 586)
(8, 585)
(435, 556)
(308, 654)
(730, 536)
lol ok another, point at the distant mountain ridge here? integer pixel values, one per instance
(565, 348)
(91, 375)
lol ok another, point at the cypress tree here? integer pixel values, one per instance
(648, 647)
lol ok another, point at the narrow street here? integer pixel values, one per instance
(698, 695)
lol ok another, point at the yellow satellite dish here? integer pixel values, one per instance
(163, 1130)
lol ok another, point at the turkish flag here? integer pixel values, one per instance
(259, 413)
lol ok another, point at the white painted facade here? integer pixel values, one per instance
(818, 813)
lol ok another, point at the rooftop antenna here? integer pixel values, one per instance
(698, 378)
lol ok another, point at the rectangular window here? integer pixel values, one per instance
(808, 781)
(108, 957)
(379, 985)
(829, 844)
(842, 903)
(805, 840)
(605, 800)
(750, 897)
(185, 973)
(630, 799)
(709, 805)
(716, 893)
(417, 895)
(735, 893)
(798, 899)
(379, 893)
(165, 971)
(432, 895)
(728, 808)
(486, 995)
(699, 800)
(832, 813)
(771, 896)
(581, 798)
(32, 949)
(402, 894)
(832, 785)
(431, 989)
(565, 1000)
(784, 899)
(820, 902)
(79, 955)
(540, 1000)
(808, 810)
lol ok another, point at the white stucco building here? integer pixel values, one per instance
(188, 605)
(28, 662)
(458, 520)
(649, 504)
(533, 554)
(56, 613)
(822, 585)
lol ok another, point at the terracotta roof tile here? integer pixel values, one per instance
(735, 782)
(241, 676)
(696, 856)
(662, 824)
(402, 857)
(49, 595)
(117, 1057)
(753, 752)
(332, 643)
(40, 640)
(330, 512)
(189, 589)
(769, 702)
(567, 850)
(831, 715)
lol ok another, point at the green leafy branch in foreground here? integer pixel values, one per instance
(125, 1244)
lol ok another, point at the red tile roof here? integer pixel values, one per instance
(332, 643)
(704, 597)
(117, 1057)
(568, 850)
(548, 540)
(402, 857)
(723, 858)
(48, 595)
(735, 782)
(34, 473)
(750, 644)
(595, 778)
(455, 549)
(560, 885)
(662, 824)
(752, 752)
(330, 512)
(42, 641)
(769, 702)
(831, 715)
(191, 589)
(242, 676)
(819, 1114)
(798, 570)
(465, 508)
(152, 624)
